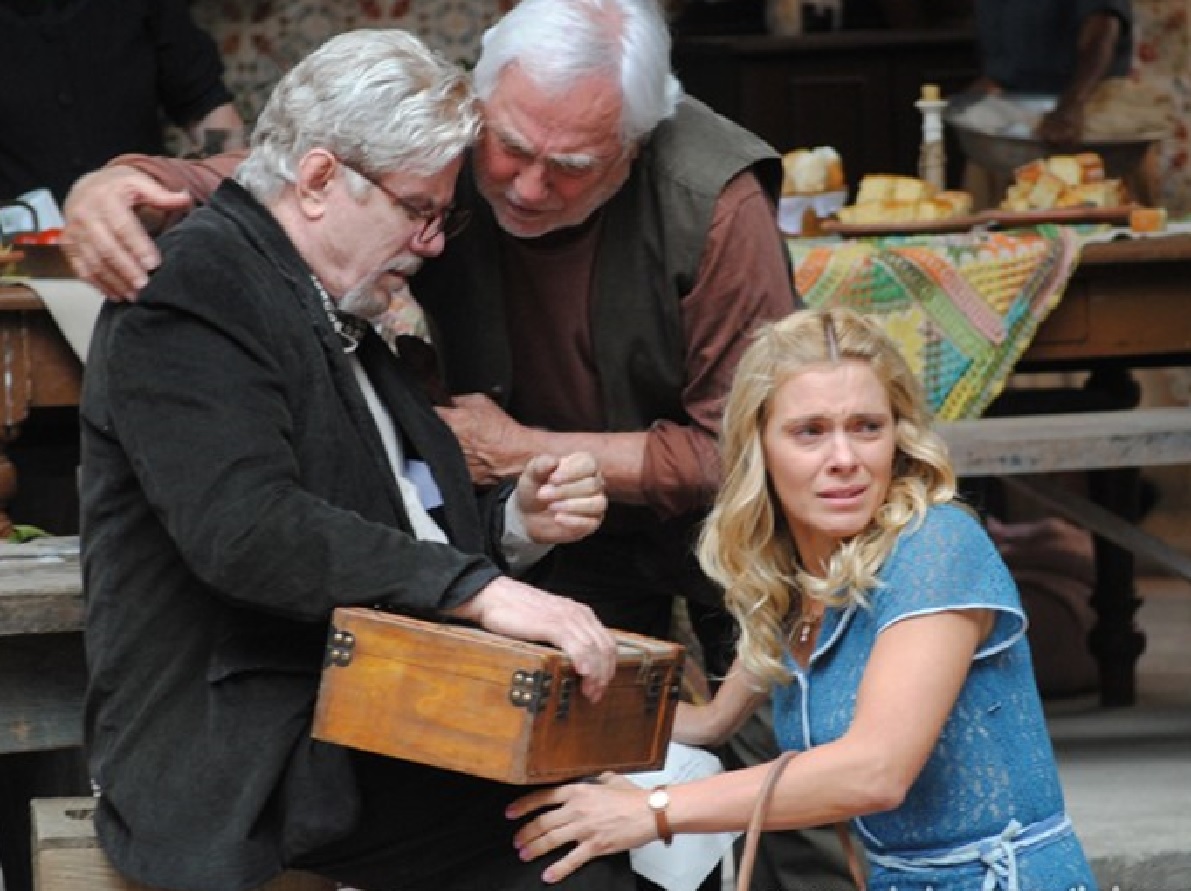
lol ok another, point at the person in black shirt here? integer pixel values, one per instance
(1060, 47)
(88, 79)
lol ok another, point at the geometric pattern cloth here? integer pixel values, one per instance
(963, 308)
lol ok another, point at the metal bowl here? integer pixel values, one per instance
(1006, 151)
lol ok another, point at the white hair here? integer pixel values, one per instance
(558, 42)
(379, 100)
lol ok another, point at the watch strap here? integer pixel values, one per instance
(665, 833)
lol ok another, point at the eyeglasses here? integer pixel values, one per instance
(449, 220)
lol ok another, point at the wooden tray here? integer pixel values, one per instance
(922, 227)
(1003, 219)
(1007, 219)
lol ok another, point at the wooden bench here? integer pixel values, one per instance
(67, 856)
(1140, 437)
(1111, 446)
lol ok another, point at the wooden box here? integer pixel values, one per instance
(464, 699)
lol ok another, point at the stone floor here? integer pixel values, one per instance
(1127, 771)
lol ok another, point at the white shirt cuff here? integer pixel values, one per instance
(521, 552)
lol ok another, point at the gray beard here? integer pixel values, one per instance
(368, 300)
(365, 300)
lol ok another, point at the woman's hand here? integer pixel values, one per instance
(599, 818)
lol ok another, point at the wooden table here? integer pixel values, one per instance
(1127, 305)
(38, 369)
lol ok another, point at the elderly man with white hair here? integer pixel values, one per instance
(622, 248)
(253, 457)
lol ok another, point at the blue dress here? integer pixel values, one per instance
(987, 811)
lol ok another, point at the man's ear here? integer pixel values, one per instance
(316, 178)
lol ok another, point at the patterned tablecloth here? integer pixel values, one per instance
(963, 307)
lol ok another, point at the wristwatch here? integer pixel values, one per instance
(658, 801)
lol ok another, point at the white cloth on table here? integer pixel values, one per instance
(74, 306)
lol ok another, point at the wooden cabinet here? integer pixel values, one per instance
(854, 91)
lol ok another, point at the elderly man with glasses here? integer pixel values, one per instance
(622, 249)
(253, 457)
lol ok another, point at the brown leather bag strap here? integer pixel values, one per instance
(744, 875)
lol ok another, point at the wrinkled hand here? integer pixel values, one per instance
(496, 446)
(561, 499)
(506, 606)
(599, 818)
(104, 239)
(1063, 126)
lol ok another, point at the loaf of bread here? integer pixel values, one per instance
(886, 187)
(1063, 181)
(1072, 170)
(885, 198)
(891, 210)
(812, 171)
(959, 202)
(1109, 193)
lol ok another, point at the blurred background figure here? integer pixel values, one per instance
(1057, 47)
(89, 79)
(1062, 48)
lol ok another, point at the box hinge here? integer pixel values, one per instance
(340, 647)
(656, 687)
(530, 690)
(566, 690)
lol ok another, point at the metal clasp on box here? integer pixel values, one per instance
(530, 690)
(340, 647)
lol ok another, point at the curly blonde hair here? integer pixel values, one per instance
(746, 544)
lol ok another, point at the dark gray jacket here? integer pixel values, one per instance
(234, 491)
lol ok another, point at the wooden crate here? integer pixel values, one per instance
(67, 856)
(460, 698)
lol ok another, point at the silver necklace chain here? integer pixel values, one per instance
(351, 329)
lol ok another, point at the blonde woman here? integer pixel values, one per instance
(878, 615)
